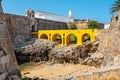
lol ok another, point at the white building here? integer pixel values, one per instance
(106, 26)
(54, 17)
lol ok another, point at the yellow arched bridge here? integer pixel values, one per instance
(65, 36)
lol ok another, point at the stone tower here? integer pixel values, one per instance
(8, 62)
(70, 13)
(30, 13)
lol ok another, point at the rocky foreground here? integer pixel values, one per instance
(42, 50)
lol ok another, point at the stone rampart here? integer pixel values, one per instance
(43, 24)
(20, 27)
(8, 62)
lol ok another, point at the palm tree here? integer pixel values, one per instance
(115, 7)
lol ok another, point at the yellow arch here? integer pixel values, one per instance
(43, 36)
(68, 38)
(84, 36)
(56, 36)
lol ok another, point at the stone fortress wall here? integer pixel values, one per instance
(43, 24)
(8, 62)
(20, 27)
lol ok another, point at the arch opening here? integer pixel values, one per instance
(86, 37)
(43, 36)
(71, 39)
(33, 28)
(57, 38)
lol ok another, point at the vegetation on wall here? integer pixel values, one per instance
(72, 37)
(72, 26)
(92, 24)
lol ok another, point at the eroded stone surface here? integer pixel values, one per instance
(109, 42)
(8, 63)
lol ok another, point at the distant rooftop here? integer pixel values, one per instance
(50, 13)
(81, 19)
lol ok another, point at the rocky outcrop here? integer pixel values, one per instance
(33, 50)
(72, 54)
(44, 50)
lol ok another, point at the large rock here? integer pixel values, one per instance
(72, 54)
(34, 50)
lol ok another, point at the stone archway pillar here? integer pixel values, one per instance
(66, 40)
(49, 37)
(39, 34)
(92, 37)
(63, 39)
(79, 39)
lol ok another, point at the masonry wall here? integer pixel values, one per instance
(20, 27)
(43, 24)
(8, 63)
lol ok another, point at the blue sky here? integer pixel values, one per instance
(82, 9)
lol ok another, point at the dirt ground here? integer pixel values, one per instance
(52, 71)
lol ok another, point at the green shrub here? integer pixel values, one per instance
(72, 26)
(72, 38)
(86, 37)
(92, 24)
